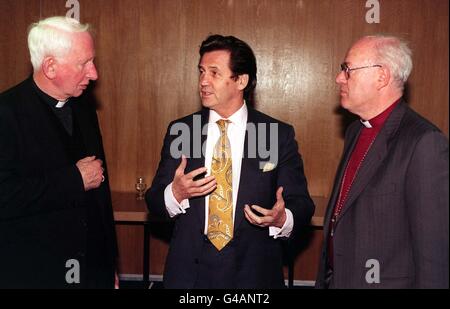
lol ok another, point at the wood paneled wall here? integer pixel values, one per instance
(147, 55)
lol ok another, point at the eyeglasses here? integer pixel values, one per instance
(347, 70)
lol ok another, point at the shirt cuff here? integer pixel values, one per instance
(173, 207)
(286, 229)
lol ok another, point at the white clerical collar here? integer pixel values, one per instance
(366, 123)
(61, 104)
(239, 118)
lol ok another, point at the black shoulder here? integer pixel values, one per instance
(15, 94)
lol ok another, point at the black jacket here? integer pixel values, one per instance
(46, 217)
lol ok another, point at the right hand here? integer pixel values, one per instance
(91, 171)
(184, 186)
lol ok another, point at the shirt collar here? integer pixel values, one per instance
(239, 118)
(366, 123)
(54, 103)
(61, 104)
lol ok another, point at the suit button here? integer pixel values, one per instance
(196, 261)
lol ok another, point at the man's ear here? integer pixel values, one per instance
(242, 81)
(49, 65)
(384, 77)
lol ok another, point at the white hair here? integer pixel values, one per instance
(51, 37)
(394, 53)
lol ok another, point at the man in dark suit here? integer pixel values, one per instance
(229, 225)
(56, 222)
(386, 225)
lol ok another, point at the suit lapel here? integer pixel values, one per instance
(374, 157)
(353, 138)
(368, 168)
(246, 176)
(195, 163)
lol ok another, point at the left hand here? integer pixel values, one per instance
(270, 217)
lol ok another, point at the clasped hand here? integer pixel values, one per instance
(91, 171)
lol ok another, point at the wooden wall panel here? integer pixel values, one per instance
(15, 17)
(147, 55)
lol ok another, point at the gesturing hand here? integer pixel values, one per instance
(270, 217)
(184, 186)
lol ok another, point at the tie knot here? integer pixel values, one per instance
(223, 124)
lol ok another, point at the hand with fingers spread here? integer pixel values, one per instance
(269, 217)
(91, 171)
(184, 186)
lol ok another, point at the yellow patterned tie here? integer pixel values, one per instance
(220, 217)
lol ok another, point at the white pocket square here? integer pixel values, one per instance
(268, 167)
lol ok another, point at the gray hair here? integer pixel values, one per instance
(394, 53)
(51, 37)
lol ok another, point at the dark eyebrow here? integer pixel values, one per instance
(209, 67)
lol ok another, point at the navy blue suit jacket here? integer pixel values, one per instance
(255, 258)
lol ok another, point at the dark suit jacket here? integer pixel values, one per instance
(255, 258)
(46, 217)
(396, 211)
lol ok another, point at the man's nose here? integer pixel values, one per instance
(92, 74)
(204, 80)
(340, 78)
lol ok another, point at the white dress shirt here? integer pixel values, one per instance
(236, 134)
